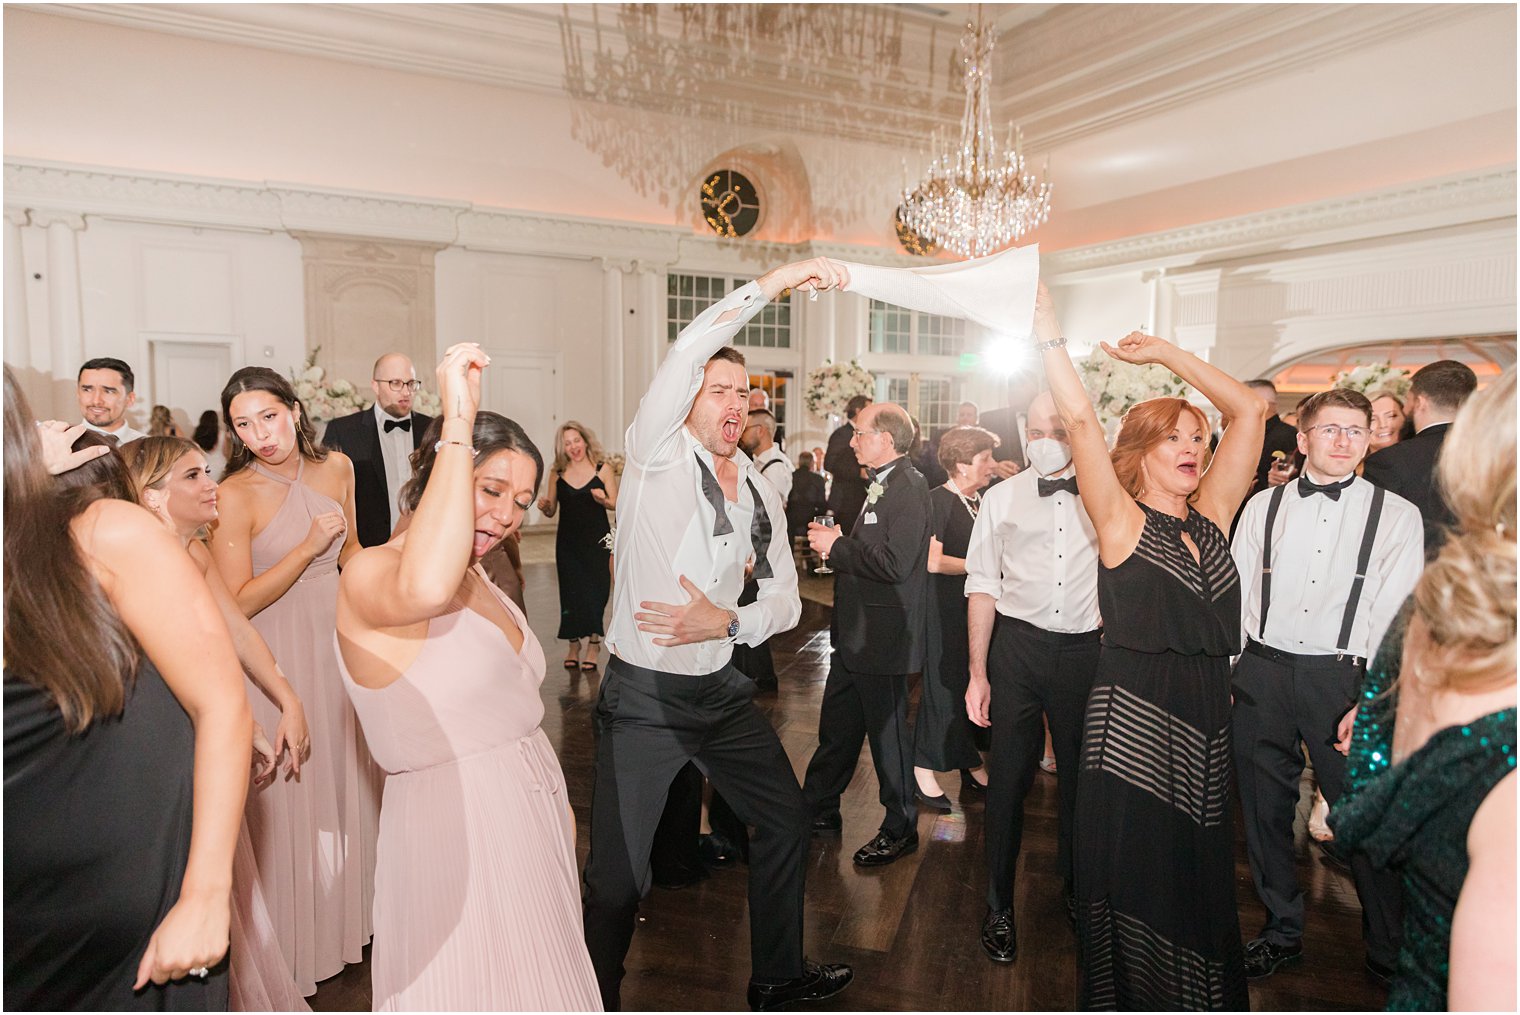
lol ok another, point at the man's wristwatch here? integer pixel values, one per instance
(733, 625)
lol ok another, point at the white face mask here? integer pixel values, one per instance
(1048, 455)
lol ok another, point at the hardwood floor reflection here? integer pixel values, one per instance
(909, 929)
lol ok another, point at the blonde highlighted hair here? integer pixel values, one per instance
(1466, 597)
(594, 453)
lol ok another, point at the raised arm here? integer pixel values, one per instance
(1111, 508)
(384, 588)
(1232, 471)
(665, 405)
(160, 595)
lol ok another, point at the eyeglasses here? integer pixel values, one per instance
(1333, 431)
(862, 433)
(400, 385)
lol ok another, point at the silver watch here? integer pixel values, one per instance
(733, 625)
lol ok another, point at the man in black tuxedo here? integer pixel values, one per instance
(1280, 437)
(881, 596)
(849, 489)
(1408, 468)
(808, 499)
(380, 441)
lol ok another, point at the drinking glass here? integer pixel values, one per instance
(827, 521)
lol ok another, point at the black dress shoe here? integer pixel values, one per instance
(968, 781)
(1263, 958)
(1332, 855)
(816, 983)
(1379, 972)
(827, 824)
(999, 939)
(676, 878)
(939, 803)
(884, 849)
(717, 850)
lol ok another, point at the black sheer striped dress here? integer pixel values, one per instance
(1156, 920)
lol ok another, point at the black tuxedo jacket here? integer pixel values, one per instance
(1408, 469)
(848, 490)
(1279, 436)
(358, 437)
(881, 588)
(806, 502)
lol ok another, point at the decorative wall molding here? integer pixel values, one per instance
(1472, 197)
(168, 199)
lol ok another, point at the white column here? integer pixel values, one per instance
(18, 352)
(614, 422)
(65, 314)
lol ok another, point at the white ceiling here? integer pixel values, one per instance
(1152, 116)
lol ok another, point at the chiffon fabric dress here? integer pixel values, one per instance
(1157, 925)
(581, 559)
(943, 737)
(1413, 817)
(97, 836)
(477, 897)
(313, 836)
(259, 978)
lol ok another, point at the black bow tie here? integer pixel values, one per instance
(1048, 487)
(1308, 488)
(404, 424)
(760, 523)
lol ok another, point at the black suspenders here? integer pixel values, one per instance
(1363, 559)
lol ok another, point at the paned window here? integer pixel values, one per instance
(686, 296)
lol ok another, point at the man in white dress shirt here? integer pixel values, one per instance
(1032, 595)
(759, 442)
(104, 387)
(1325, 562)
(692, 512)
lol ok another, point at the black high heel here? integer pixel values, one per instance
(968, 781)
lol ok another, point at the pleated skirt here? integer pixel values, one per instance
(477, 900)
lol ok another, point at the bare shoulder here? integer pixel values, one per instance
(117, 533)
(1493, 826)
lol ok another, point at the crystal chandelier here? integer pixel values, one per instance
(976, 197)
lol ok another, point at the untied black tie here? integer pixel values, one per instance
(760, 527)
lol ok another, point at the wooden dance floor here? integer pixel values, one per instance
(911, 930)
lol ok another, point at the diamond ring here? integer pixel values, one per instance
(199, 971)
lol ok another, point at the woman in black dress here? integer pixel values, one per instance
(1157, 925)
(125, 724)
(943, 738)
(584, 484)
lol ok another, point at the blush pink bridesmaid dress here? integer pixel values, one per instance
(477, 899)
(314, 835)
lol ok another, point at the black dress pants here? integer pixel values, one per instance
(650, 724)
(1033, 672)
(1280, 708)
(857, 706)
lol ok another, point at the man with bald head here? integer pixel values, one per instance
(1032, 623)
(881, 598)
(380, 441)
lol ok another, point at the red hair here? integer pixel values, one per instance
(1143, 428)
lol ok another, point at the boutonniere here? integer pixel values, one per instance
(874, 491)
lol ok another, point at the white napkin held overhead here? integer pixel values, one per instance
(996, 292)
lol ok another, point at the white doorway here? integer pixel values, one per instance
(524, 387)
(188, 375)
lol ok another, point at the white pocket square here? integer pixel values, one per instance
(869, 519)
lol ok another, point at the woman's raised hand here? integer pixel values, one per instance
(1138, 347)
(58, 452)
(459, 380)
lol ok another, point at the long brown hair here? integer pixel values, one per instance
(1145, 426)
(62, 634)
(265, 379)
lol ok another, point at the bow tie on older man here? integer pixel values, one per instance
(403, 424)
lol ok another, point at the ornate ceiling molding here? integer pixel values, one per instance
(167, 199)
(1430, 204)
(1065, 73)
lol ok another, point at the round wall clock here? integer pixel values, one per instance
(730, 203)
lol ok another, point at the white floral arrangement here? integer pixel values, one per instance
(616, 461)
(326, 400)
(832, 385)
(1116, 386)
(1370, 377)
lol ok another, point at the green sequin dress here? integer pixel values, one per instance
(1413, 817)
